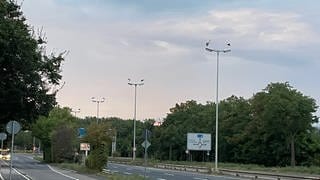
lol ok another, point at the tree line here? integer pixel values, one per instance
(272, 128)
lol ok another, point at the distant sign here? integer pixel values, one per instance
(13, 127)
(84, 146)
(3, 136)
(82, 132)
(146, 144)
(199, 142)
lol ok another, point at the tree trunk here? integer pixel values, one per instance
(293, 154)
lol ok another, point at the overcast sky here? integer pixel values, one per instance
(162, 42)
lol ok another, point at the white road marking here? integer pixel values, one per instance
(161, 179)
(168, 174)
(127, 173)
(200, 178)
(24, 176)
(61, 173)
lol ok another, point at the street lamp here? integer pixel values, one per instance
(75, 112)
(98, 101)
(135, 84)
(218, 51)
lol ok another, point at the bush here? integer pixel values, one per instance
(97, 159)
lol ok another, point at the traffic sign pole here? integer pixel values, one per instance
(145, 152)
(13, 127)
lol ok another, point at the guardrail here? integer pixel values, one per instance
(237, 173)
(265, 175)
(183, 168)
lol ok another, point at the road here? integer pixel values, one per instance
(26, 168)
(162, 174)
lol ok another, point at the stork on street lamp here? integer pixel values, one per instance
(98, 101)
(218, 51)
(135, 84)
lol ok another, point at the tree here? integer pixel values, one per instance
(62, 139)
(28, 76)
(284, 113)
(45, 126)
(234, 117)
(99, 136)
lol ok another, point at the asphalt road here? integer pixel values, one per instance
(162, 174)
(26, 168)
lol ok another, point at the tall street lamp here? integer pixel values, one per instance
(75, 112)
(98, 101)
(135, 84)
(218, 51)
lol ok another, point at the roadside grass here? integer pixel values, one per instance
(123, 177)
(76, 167)
(315, 170)
(38, 158)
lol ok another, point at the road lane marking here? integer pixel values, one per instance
(61, 173)
(161, 179)
(1, 177)
(127, 173)
(168, 174)
(200, 178)
(24, 176)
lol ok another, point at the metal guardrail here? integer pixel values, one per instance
(237, 173)
(265, 175)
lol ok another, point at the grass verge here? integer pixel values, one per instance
(315, 170)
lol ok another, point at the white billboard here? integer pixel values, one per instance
(199, 141)
(84, 146)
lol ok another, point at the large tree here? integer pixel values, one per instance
(48, 129)
(283, 113)
(28, 76)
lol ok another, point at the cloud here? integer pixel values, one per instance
(106, 47)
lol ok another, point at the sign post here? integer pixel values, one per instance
(3, 136)
(85, 147)
(13, 127)
(198, 142)
(146, 145)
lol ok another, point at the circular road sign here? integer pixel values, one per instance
(13, 127)
(3, 136)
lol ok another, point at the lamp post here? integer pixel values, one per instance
(98, 101)
(135, 84)
(75, 112)
(218, 51)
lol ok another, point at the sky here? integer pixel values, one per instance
(163, 41)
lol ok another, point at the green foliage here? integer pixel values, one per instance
(99, 137)
(46, 126)
(259, 130)
(62, 144)
(280, 115)
(24, 140)
(28, 76)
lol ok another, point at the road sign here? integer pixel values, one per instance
(199, 142)
(13, 127)
(3, 136)
(84, 146)
(146, 144)
(82, 132)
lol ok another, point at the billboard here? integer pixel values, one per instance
(84, 146)
(199, 141)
